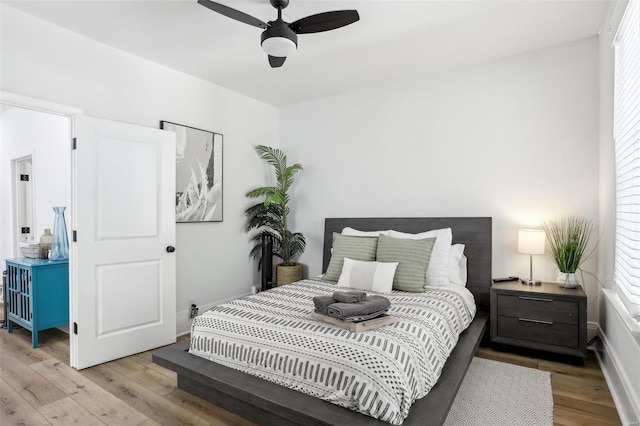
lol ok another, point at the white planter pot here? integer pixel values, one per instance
(567, 280)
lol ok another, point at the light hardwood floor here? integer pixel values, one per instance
(37, 387)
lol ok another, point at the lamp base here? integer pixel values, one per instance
(531, 282)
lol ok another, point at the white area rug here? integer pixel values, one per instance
(496, 393)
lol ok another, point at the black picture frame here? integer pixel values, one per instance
(199, 159)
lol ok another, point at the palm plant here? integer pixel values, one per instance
(269, 217)
(567, 240)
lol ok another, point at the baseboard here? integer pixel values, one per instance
(592, 330)
(183, 322)
(610, 366)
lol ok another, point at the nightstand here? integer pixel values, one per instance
(545, 317)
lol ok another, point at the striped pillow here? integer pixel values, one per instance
(438, 270)
(413, 257)
(369, 276)
(356, 248)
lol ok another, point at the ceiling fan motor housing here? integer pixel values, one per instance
(279, 39)
(279, 4)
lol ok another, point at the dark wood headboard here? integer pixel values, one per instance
(473, 232)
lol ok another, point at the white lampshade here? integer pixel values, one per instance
(531, 241)
(280, 47)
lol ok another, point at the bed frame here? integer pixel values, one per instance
(267, 403)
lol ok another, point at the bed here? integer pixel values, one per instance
(268, 403)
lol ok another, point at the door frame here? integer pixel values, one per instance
(72, 113)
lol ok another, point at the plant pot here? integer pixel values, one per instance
(288, 274)
(568, 280)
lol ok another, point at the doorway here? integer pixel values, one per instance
(35, 176)
(22, 201)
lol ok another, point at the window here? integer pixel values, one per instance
(627, 158)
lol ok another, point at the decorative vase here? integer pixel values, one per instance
(60, 241)
(45, 243)
(568, 280)
(288, 274)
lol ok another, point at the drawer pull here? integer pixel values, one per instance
(536, 321)
(538, 299)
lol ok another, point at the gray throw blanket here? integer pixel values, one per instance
(321, 303)
(349, 296)
(370, 305)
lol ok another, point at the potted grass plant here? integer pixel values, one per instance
(269, 217)
(567, 241)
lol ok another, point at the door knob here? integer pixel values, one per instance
(171, 249)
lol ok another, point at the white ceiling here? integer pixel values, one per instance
(394, 40)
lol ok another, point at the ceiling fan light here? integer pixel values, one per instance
(280, 47)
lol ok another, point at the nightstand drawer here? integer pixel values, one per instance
(533, 330)
(541, 307)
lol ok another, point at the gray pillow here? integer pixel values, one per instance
(413, 258)
(356, 248)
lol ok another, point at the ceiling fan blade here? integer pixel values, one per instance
(276, 62)
(325, 21)
(233, 13)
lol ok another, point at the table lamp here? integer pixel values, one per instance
(531, 241)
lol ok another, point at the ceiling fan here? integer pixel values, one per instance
(280, 38)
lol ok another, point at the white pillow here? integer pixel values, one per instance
(457, 265)
(438, 270)
(463, 270)
(355, 233)
(372, 276)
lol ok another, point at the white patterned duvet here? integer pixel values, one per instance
(379, 373)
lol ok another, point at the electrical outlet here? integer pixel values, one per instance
(193, 308)
(194, 311)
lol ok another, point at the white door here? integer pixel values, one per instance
(122, 265)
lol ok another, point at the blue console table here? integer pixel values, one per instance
(37, 294)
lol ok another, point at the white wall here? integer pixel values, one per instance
(515, 139)
(44, 61)
(48, 142)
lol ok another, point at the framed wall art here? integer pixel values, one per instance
(198, 173)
